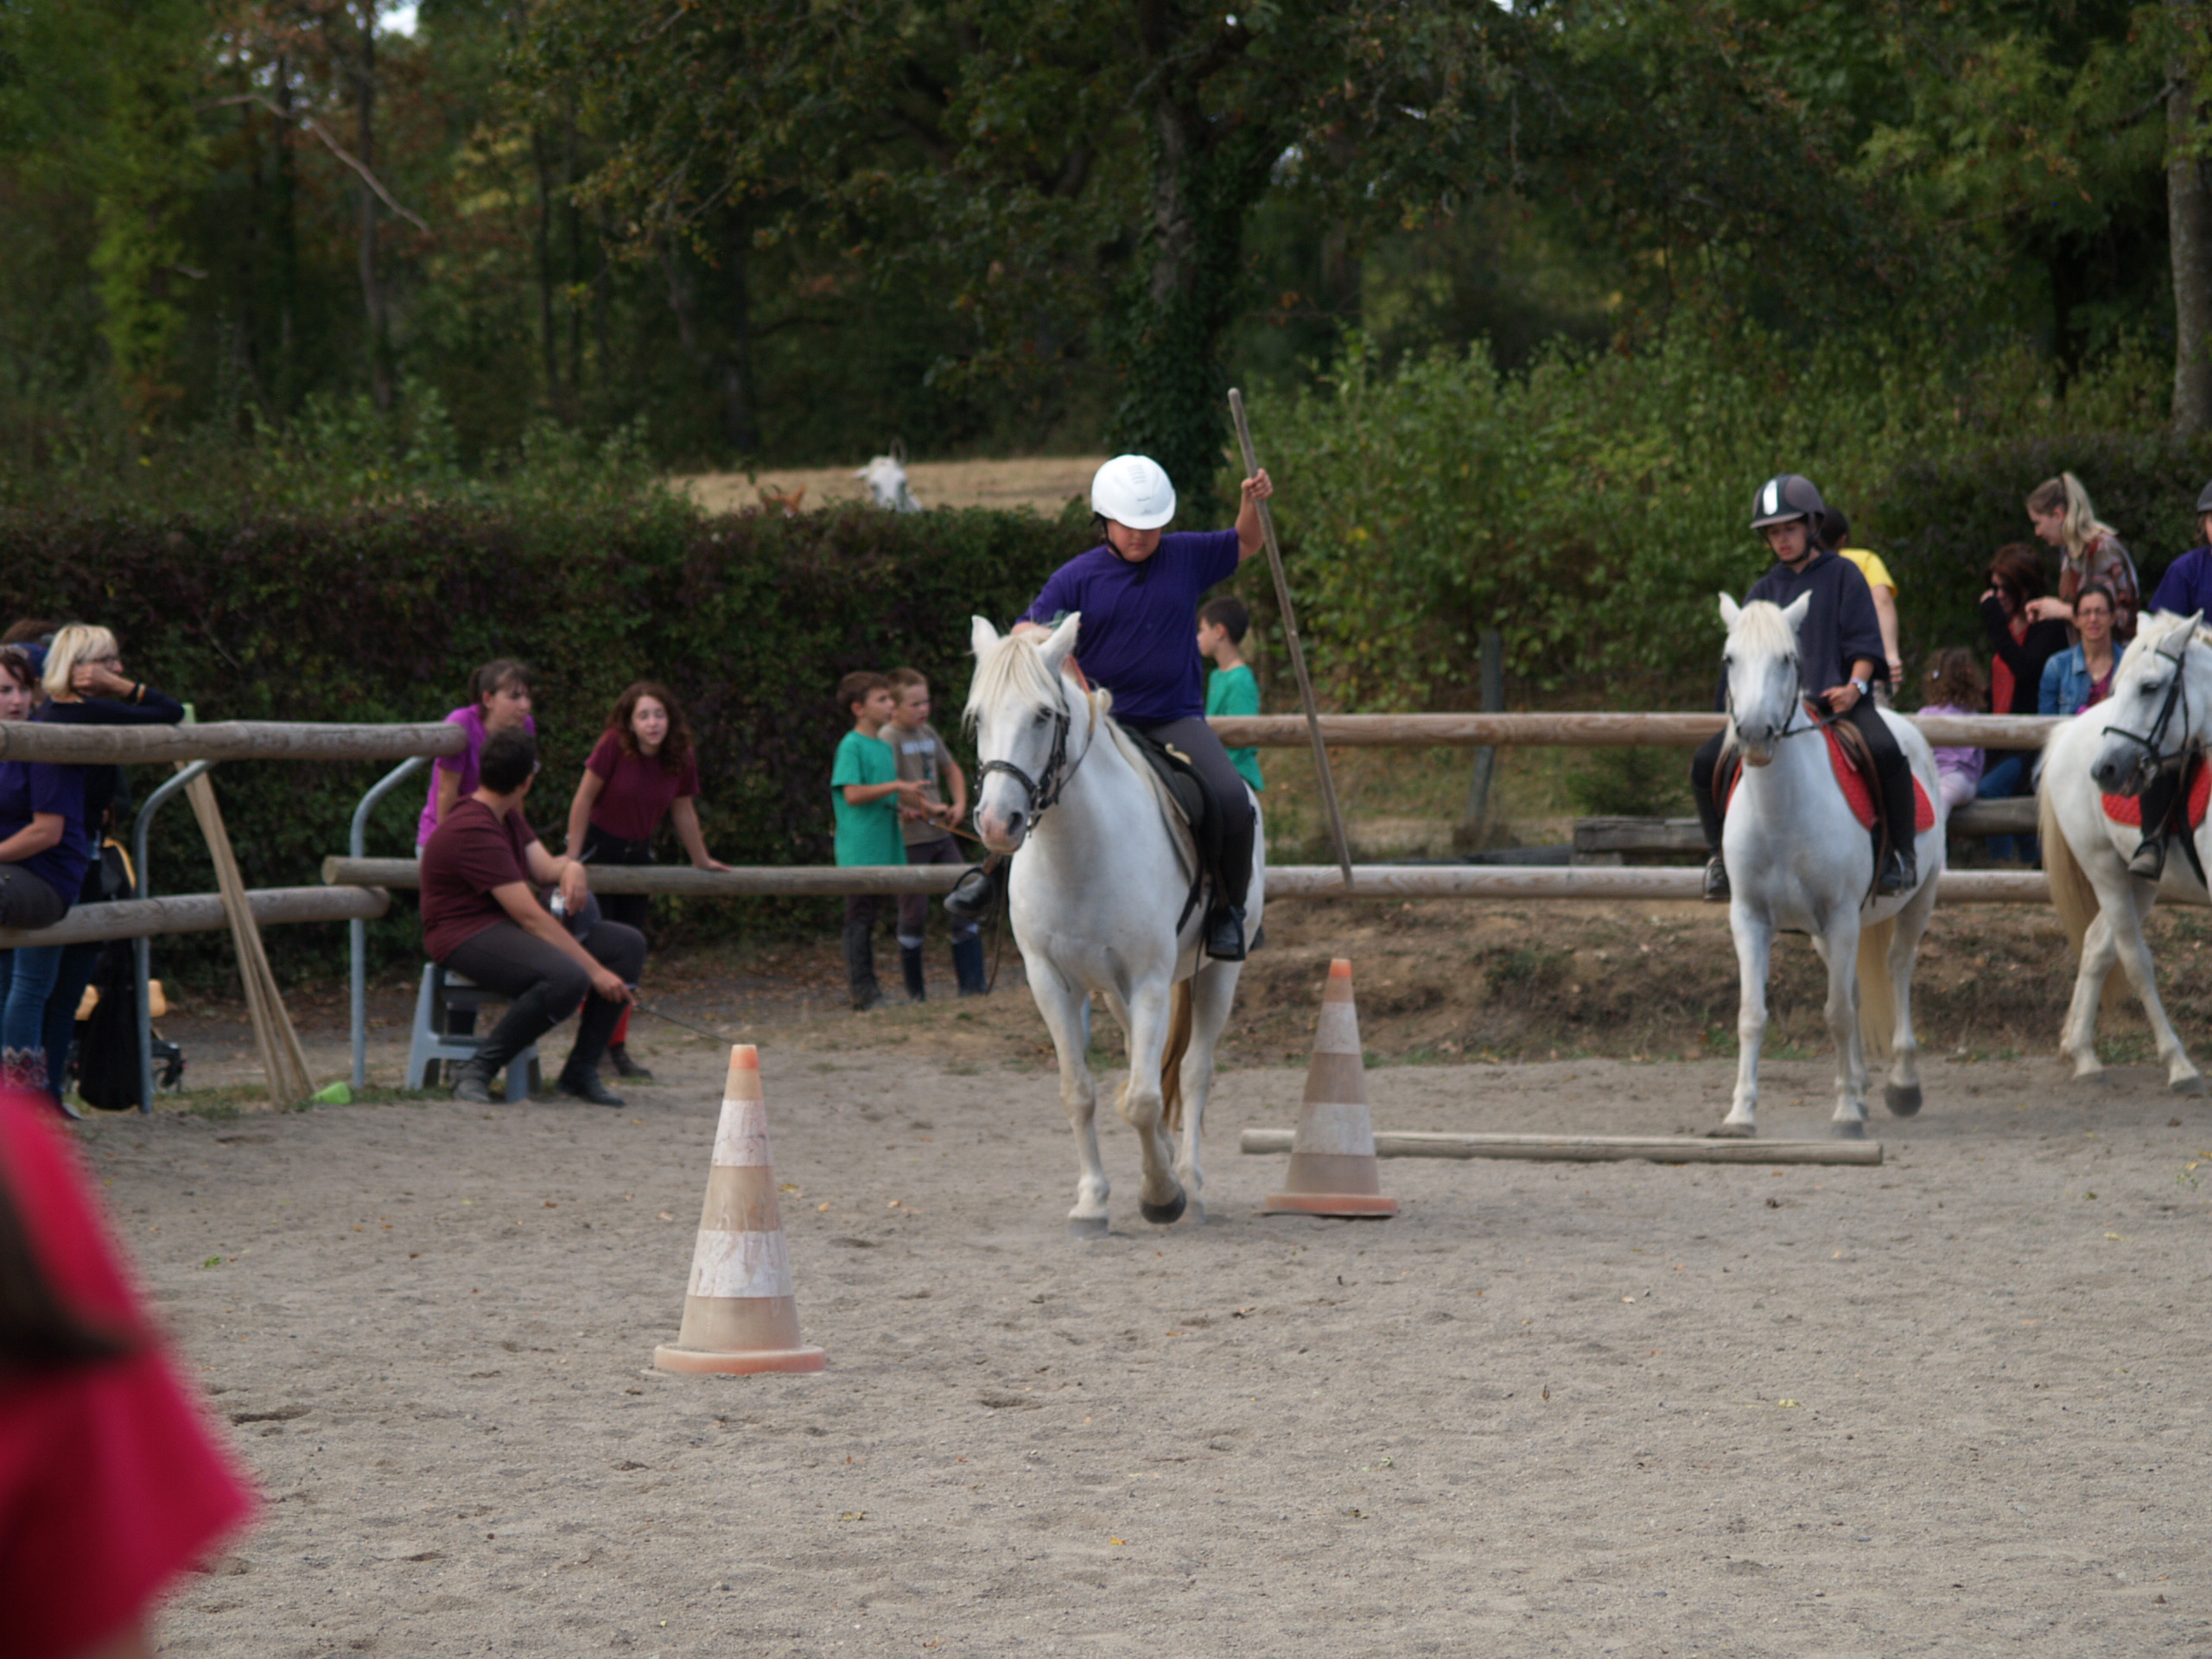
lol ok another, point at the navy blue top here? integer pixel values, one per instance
(2187, 585)
(1840, 626)
(1139, 636)
(32, 786)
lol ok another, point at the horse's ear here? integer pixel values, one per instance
(1061, 642)
(984, 638)
(1730, 610)
(1793, 611)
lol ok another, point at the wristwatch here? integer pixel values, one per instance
(1864, 688)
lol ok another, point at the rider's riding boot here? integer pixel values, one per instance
(1225, 933)
(2149, 860)
(1716, 881)
(1900, 872)
(910, 964)
(973, 894)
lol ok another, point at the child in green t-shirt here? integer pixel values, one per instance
(866, 794)
(1230, 690)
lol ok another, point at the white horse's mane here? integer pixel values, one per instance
(1761, 625)
(2160, 627)
(1017, 669)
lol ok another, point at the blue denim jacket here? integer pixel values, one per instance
(2067, 687)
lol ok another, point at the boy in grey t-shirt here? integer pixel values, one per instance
(924, 758)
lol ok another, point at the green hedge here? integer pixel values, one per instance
(380, 614)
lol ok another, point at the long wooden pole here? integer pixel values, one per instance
(199, 913)
(1291, 641)
(1572, 730)
(225, 740)
(282, 1062)
(1592, 1148)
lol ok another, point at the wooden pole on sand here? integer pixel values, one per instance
(282, 1061)
(1290, 640)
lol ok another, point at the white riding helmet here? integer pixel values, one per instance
(1133, 490)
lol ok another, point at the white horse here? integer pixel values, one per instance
(1798, 860)
(2160, 710)
(1097, 898)
(885, 478)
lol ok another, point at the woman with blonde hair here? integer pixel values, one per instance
(2062, 515)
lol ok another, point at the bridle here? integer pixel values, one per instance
(2154, 757)
(1791, 726)
(1045, 789)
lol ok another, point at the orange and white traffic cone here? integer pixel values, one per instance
(739, 1312)
(1333, 1154)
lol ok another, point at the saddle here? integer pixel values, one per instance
(2197, 790)
(1186, 792)
(1855, 774)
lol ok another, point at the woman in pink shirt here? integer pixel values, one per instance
(499, 696)
(642, 770)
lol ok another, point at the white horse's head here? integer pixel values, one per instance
(2158, 702)
(1760, 660)
(1020, 709)
(885, 478)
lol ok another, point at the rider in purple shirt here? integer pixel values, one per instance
(1138, 591)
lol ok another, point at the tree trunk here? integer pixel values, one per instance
(575, 259)
(2189, 229)
(365, 135)
(726, 358)
(286, 379)
(546, 348)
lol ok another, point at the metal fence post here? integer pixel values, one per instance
(357, 929)
(142, 953)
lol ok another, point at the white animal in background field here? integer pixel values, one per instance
(1095, 896)
(885, 478)
(1798, 858)
(2159, 712)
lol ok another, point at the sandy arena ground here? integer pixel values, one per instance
(1954, 1404)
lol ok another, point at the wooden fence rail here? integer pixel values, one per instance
(1584, 730)
(199, 913)
(1284, 881)
(225, 739)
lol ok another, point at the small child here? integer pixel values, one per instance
(1231, 688)
(924, 758)
(1956, 686)
(866, 794)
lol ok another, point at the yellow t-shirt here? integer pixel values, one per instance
(1871, 567)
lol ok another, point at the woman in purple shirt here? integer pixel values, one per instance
(1138, 590)
(499, 696)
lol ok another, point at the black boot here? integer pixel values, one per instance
(1717, 890)
(975, 894)
(1225, 933)
(1900, 873)
(860, 964)
(2149, 858)
(967, 967)
(910, 965)
(582, 1083)
(618, 1055)
(472, 1080)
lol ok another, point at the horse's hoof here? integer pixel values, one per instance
(1732, 1132)
(1165, 1215)
(2096, 1077)
(1850, 1129)
(1903, 1101)
(1086, 1227)
(2190, 1085)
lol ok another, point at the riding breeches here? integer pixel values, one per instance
(1889, 764)
(1231, 799)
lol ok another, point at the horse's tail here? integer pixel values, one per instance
(1171, 1062)
(1877, 995)
(2071, 895)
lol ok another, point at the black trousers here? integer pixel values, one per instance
(630, 909)
(1889, 764)
(1232, 797)
(545, 984)
(2159, 797)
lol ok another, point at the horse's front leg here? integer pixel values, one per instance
(1841, 953)
(1142, 1106)
(2077, 1038)
(2134, 951)
(1066, 1008)
(1754, 941)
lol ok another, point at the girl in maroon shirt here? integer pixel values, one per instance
(643, 770)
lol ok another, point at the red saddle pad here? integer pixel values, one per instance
(2128, 808)
(1859, 792)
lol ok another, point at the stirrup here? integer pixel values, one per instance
(1717, 890)
(2149, 858)
(1899, 871)
(973, 894)
(1225, 933)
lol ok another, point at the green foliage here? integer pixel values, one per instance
(1591, 509)
(379, 615)
(1629, 783)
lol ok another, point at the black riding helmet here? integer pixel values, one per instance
(2204, 501)
(1784, 497)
